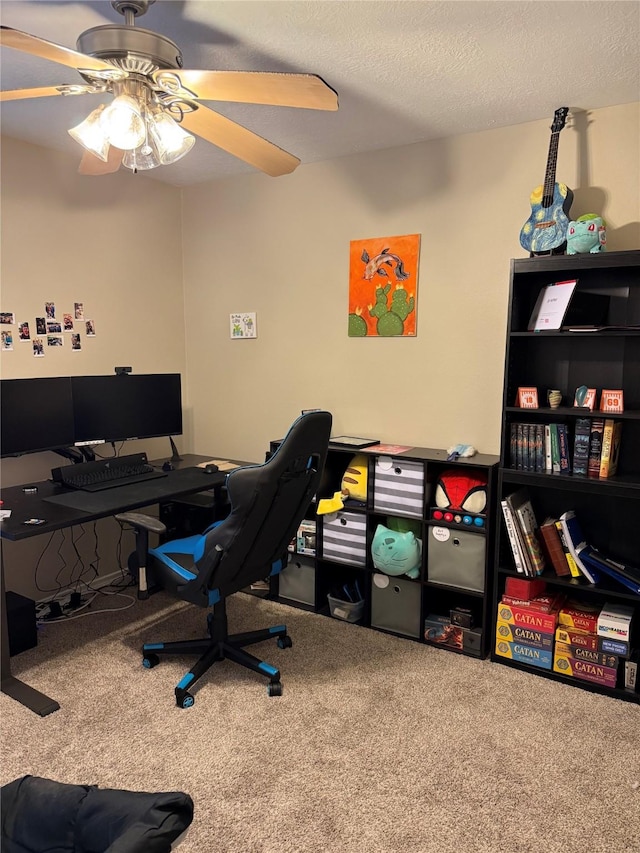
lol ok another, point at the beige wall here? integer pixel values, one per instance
(132, 250)
(115, 244)
(280, 248)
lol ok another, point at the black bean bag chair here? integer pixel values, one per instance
(44, 816)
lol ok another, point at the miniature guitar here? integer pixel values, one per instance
(545, 231)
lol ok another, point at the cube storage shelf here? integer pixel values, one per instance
(455, 570)
(607, 358)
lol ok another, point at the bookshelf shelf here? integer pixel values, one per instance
(609, 508)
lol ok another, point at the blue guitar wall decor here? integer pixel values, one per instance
(545, 231)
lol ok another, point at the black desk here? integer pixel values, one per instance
(62, 508)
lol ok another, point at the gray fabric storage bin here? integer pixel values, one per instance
(456, 558)
(344, 538)
(399, 486)
(395, 605)
(298, 580)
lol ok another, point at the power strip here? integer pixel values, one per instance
(43, 608)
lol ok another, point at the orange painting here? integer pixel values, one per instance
(383, 286)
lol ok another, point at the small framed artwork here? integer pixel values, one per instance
(611, 401)
(585, 398)
(527, 398)
(242, 326)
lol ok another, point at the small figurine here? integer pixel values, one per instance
(586, 234)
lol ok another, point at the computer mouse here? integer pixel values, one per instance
(211, 468)
(167, 466)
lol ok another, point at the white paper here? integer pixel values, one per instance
(551, 306)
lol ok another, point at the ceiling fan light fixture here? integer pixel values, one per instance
(123, 123)
(141, 159)
(172, 141)
(90, 135)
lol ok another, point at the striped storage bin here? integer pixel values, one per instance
(344, 538)
(399, 486)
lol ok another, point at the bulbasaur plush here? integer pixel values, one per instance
(587, 234)
(396, 552)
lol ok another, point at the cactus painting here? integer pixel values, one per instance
(383, 286)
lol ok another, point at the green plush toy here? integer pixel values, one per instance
(396, 552)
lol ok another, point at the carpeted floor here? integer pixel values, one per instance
(378, 745)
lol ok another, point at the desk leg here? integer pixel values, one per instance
(27, 696)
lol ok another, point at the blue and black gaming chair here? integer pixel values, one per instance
(268, 502)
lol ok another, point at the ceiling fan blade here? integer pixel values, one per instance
(92, 165)
(57, 53)
(48, 91)
(240, 142)
(251, 87)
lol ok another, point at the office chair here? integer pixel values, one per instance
(268, 501)
(41, 815)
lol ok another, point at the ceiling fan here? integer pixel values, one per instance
(156, 105)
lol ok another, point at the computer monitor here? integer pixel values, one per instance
(36, 415)
(126, 406)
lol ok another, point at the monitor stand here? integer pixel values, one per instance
(175, 456)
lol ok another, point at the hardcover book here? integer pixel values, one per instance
(610, 448)
(595, 447)
(553, 547)
(581, 447)
(523, 510)
(574, 571)
(563, 449)
(575, 540)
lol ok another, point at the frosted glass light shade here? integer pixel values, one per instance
(123, 124)
(172, 141)
(141, 159)
(90, 134)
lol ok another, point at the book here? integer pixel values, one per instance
(512, 533)
(610, 448)
(581, 446)
(595, 447)
(628, 569)
(523, 510)
(551, 305)
(573, 566)
(575, 540)
(555, 449)
(553, 546)
(563, 448)
(609, 569)
(547, 448)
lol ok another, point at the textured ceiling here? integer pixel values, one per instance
(405, 72)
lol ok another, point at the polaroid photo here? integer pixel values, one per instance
(55, 341)
(50, 310)
(41, 326)
(38, 348)
(90, 328)
(53, 327)
(76, 343)
(7, 318)
(23, 332)
(7, 341)
(78, 310)
(67, 322)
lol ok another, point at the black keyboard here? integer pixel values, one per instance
(106, 473)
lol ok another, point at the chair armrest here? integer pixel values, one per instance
(142, 522)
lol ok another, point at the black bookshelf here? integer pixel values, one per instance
(608, 509)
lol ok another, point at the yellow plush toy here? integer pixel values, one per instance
(354, 485)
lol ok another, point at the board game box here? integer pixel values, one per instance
(580, 653)
(542, 658)
(545, 622)
(526, 636)
(605, 675)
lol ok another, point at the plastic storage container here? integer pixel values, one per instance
(348, 611)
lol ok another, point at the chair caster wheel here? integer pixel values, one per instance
(150, 660)
(284, 642)
(186, 700)
(274, 688)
